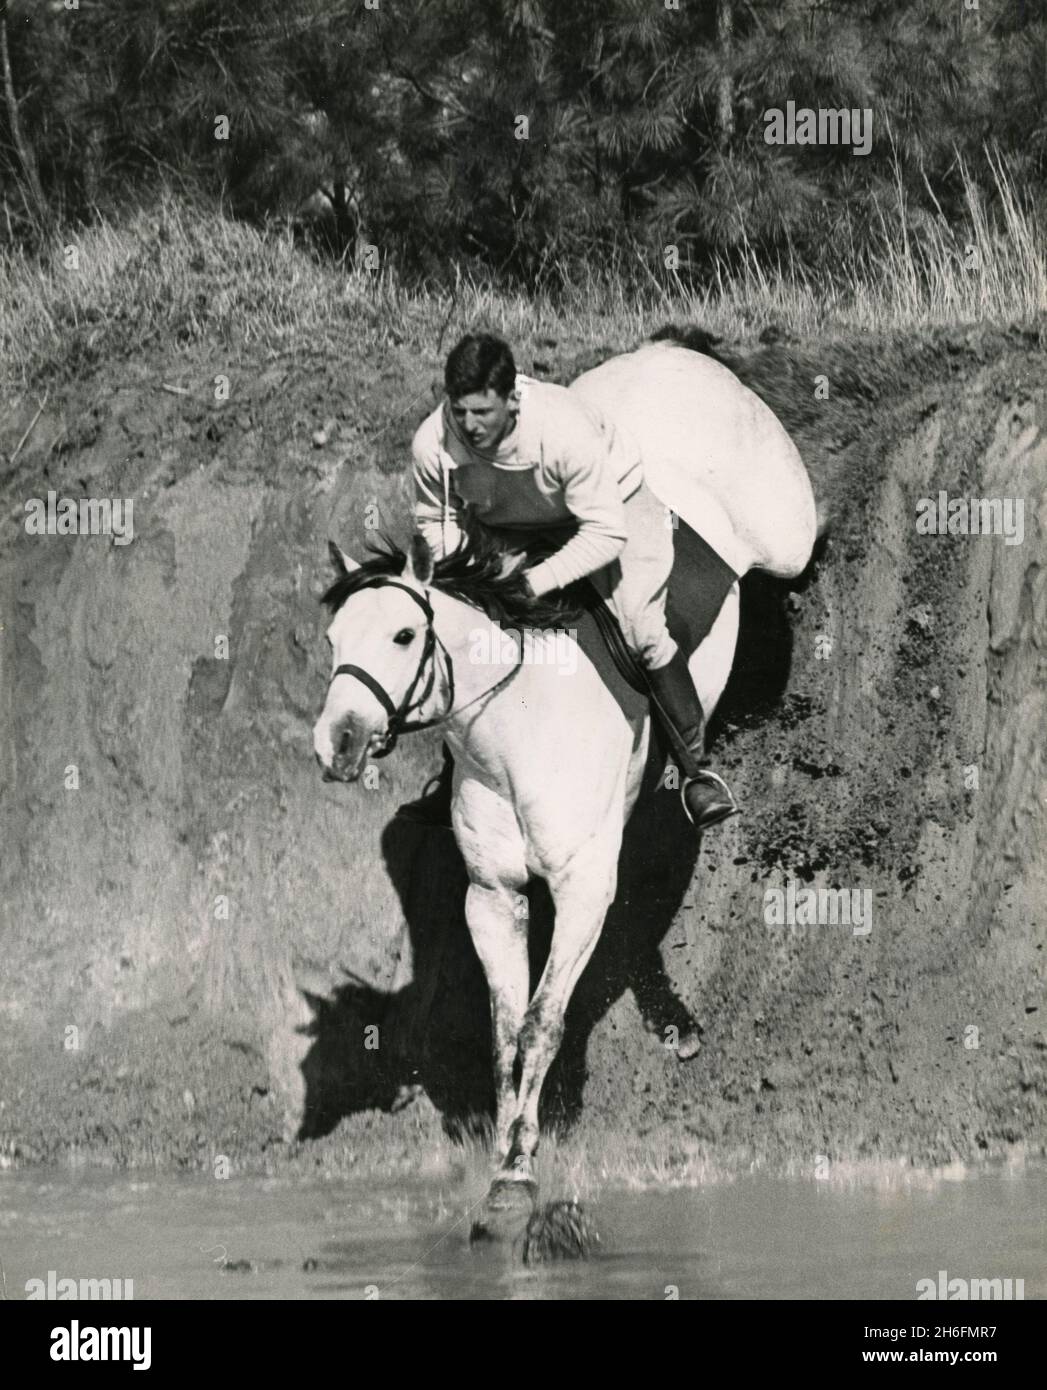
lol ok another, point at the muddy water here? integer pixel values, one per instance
(753, 1237)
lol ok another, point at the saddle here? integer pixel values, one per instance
(699, 583)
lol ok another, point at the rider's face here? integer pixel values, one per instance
(485, 417)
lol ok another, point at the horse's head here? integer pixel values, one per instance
(383, 657)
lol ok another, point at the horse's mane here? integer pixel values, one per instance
(473, 573)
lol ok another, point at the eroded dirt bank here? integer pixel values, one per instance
(219, 928)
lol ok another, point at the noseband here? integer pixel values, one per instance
(398, 722)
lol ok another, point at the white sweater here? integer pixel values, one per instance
(563, 463)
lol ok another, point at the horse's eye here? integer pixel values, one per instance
(404, 637)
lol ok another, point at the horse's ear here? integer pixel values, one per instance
(343, 563)
(420, 560)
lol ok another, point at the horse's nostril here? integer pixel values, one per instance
(343, 744)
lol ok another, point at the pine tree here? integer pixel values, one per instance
(527, 138)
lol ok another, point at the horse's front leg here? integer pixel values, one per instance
(582, 892)
(497, 916)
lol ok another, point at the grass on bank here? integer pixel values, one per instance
(173, 274)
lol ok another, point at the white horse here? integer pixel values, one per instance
(547, 766)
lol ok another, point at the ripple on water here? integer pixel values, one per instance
(863, 1231)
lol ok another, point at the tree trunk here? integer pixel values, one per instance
(345, 223)
(36, 201)
(725, 86)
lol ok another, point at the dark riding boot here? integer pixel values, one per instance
(706, 797)
(433, 807)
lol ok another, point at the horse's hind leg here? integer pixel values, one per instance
(582, 892)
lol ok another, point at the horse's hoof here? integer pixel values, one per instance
(559, 1231)
(510, 1191)
(506, 1210)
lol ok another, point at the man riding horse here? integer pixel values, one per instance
(530, 459)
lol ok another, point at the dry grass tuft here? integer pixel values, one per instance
(177, 275)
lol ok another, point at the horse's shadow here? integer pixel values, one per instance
(435, 1032)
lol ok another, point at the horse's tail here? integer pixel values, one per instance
(696, 339)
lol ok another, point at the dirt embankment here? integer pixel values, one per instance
(196, 930)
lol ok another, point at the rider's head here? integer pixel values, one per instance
(480, 378)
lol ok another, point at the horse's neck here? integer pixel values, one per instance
(474, 644)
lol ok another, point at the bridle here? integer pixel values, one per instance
(398, 720)
(397, 715)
